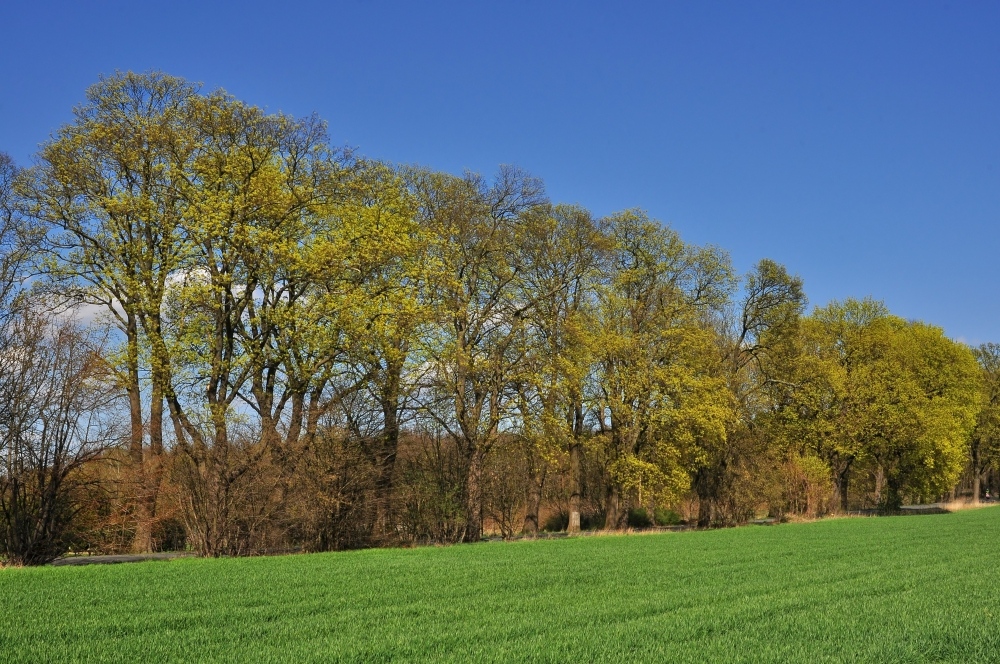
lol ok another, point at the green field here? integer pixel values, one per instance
(917, 588)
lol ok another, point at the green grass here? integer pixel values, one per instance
(917, 588)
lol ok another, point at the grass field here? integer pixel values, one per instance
(918, 588)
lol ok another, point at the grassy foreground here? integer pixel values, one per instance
(918, 588)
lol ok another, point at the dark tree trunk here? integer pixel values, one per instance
(388, 447)
(893, 497)
(385, 464)
(977, 474)
(613, 512)
(705, 488)
(156, 420)
(142, 540)
(153, 469)
(575, 497)
(536, 481)
(134, 393)
(474, 498)
(704, 513)
(843, 483)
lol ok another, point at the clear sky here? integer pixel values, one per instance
(857, 143)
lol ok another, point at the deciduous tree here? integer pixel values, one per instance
(657, 390)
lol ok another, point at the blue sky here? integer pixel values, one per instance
(857, 143)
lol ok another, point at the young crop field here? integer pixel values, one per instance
(905, 589)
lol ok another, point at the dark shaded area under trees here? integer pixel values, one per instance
(219, 333)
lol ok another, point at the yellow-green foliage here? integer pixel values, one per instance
(266, 285)
(656, 393)
(875, 388)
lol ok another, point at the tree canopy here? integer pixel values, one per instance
(312, 349)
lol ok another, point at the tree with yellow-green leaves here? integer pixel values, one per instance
(565, 255)
(111, 185)
(479, 311)
(985, 440)
(253, 192)
(877, 392)
(926, 456)
(757, 333)
(386, 250)
(656, 391)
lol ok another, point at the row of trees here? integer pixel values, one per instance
(219, 332)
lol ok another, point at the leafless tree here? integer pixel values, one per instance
(58, 411)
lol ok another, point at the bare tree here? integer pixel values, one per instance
(19, 239)
(59, 411)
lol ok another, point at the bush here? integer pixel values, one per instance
(169, 535)
(638, 517)
(557, 522)
(665, 517)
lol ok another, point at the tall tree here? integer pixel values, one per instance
(564, 255)
(897, 396)
(656, 382)
(756, 338)
(832, 374)
(251, 196)
(479, 316)
(985, 440)
(109, 184)
(386, 251)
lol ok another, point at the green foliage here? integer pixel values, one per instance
(656, 393)
(665, 517)
(272, 294)
(638, 517)
(872, 390)
(985, 439)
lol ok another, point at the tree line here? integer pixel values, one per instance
(218, 332)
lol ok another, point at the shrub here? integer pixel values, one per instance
(557, 522)
(665, 517)
(638, 517)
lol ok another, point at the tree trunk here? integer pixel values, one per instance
(613, 515)
(575, 470)
(142, 540)
(134, 391)
(704, 487)
(295, 421)
(536, 480)
(977, 474)
(704, 512)
(843, 483)
(161, 375)
(880, 485)
(385, 464)
(575, 454)
(152, 469)
(893, 497)
(474, 498)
